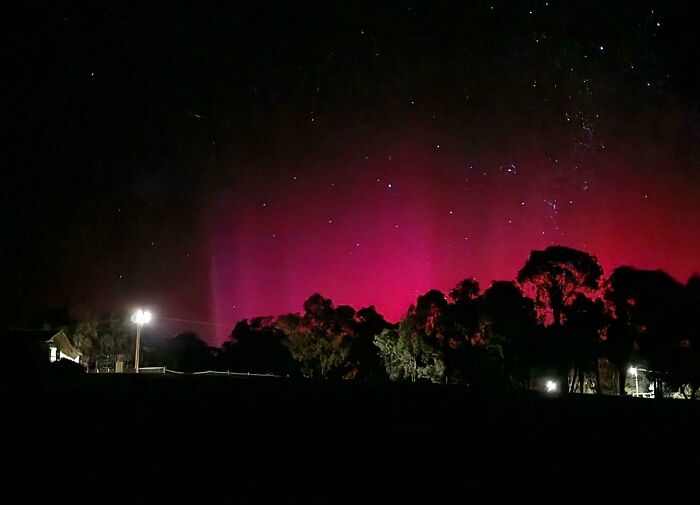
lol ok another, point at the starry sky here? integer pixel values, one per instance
(218, 162)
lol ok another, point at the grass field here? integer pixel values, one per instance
(175, 439)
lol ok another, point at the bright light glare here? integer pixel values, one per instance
(141, 317)
(551, 386)
(633, 370)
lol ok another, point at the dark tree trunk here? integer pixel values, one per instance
(598, 389)
(581, 380)
(556, 313)
(658, 388)
(621, 381)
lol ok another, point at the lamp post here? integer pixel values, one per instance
(139, 318)
(633, 370)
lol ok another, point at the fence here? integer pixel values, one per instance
(164, 370)
(643, 395)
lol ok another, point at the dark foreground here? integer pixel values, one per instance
(136, 439)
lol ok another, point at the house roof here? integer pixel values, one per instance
(60, 340)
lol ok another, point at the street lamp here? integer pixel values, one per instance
(551, 386)
(139, 318)
(633, 370)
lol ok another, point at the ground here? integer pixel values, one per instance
(152, 438)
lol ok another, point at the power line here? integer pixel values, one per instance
(126, 319)
(211, 323)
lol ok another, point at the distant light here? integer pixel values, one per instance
(141, 317)
(551, 386)
(633, 370)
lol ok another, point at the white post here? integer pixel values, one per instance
(140, 317)
(138, 344)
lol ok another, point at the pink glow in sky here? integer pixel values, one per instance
(396, 222)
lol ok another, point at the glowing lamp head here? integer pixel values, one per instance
(633, 370)
(551, 386)
(141, 317)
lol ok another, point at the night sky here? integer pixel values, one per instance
(218, 162)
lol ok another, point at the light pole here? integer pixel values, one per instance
(139, 318)
(633, 370)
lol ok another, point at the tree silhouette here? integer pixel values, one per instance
(466, 291)
(691, 361)
(585, 319)
(556, 277)
(466, 312)
(103, 339)
(407, 354)
(470, 357)
(86, 338)
(363, 355)
(650, 303)
(257, 346)
(429, 314)
(621, 335)
(186, 352)
(511, 323)
(317, 337)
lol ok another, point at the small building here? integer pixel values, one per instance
(61, 348)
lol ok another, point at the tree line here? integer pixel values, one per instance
(560, 320)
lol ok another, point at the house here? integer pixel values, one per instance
(61, 348)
